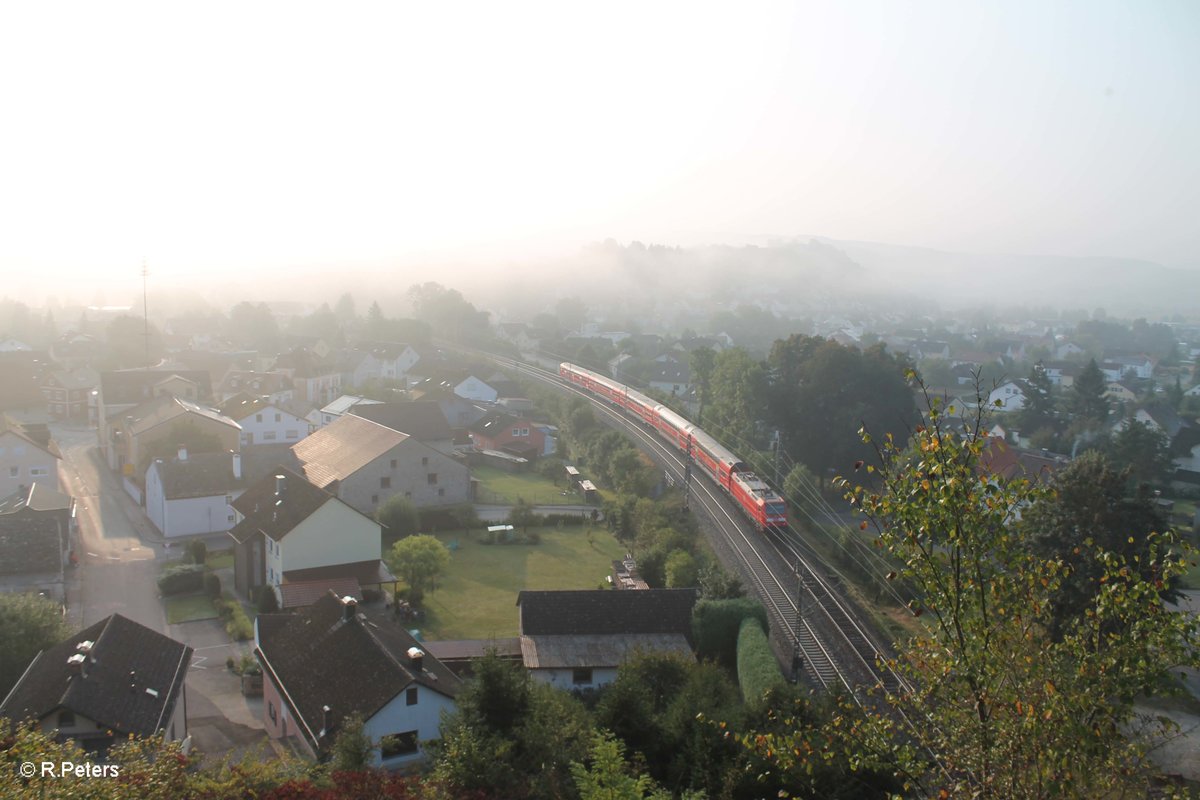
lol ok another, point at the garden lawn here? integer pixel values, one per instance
(498, 487)
(477, 598)
(219, 559)
(189, 608)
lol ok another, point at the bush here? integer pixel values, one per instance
(266, 600)
(181, 578)
(212, 585)
(716, 624)
(757, 670)
(237, 624)
(197, 551)
(564, 519)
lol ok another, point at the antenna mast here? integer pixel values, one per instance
(146, 313)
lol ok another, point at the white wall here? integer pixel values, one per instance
(563, 678)
(272, 425)
(19, 460)
(333, 534)
(399, 717)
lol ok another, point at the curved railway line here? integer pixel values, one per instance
(839, 649)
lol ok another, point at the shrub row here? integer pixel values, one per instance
(237, 624)
(716, 624)
(181, 579)
(757, 670)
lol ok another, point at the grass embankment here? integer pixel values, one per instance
(477, 597)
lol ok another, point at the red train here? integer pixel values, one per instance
(758, 500)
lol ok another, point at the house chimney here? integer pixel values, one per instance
(86, 649)
(76, 665)
(237, 464)
(183, 452)
(416, 657)
(349, 607)
(280, 485)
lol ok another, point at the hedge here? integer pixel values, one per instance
(237, 624)
(181, 578)
(715, 627)
(757, 670)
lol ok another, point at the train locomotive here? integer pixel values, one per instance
(758, 501)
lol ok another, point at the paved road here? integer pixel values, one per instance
(117, 570)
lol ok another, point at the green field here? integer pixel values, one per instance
(189, 608)
(478, 595)
(498, 487)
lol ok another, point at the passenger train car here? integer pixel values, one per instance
(761, 503)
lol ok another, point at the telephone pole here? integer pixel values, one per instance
(146, 313)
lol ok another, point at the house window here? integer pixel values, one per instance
(258, 417)
(581, 675)
(393, 463)
(408, 495)
(424, 461)
(293, 434)
(398, 744)
(524, 431)
(231, 519)
(374, 499)
(271, 710)
(441, 492)
(432, 478)
(38, 472)
(516, 431)
(269, 436)
(410, 697)
(66, 719)
(385, 482)
(278, 418)
(14, 472)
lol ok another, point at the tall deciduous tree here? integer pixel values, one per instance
(1088, 509)
(29, 624)
(822, 393)
(1088, 400)
(419, 561)
(738, 402)
(1003, 708)
(398, 516)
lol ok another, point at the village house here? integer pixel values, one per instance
(363, 463)
(276, 387)
(25, 458)
(37, 531)
(67, 393)
(1007, 397)
(422, 420)
(110, 681)
(341, 406)
(578, 639)
(315, 379)
(263, 421)
(296, 537)
(378, 361)
(329, 661)
(136, 432)
(193, 493)
(122, 390)
(510, 434)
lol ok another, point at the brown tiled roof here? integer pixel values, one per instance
(130, 683)
(323, 657)
(343, 447)
(275, 515)
(606, 612)
(422, 420)
(137, 385)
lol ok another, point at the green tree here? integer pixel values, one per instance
(801, 490)
(607, 775)
(29, 623)
(254, 326)
(738, 398)
(344, 308)
(419, 560)
(1038, 412)
(352, 748)
(448, 314)
(1002, 707)
(1090, 512)
(681, 570)
(1088, 400)
(822, 393)
(1143, 450)
(703, 361)
(399, 518)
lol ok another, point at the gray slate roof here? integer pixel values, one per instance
(127, 661)
(593, 612)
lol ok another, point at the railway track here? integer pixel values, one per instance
(806, 609)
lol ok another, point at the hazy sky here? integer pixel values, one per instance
(226, 137)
